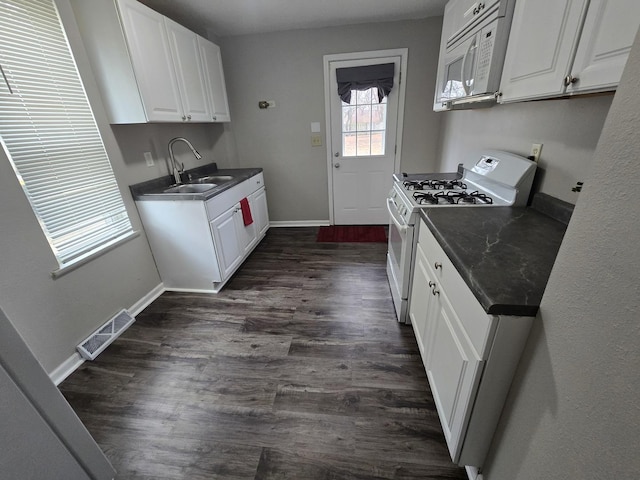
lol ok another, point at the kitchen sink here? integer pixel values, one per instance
(213, 179)
(191, 188)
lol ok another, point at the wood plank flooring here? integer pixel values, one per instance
(296, 370)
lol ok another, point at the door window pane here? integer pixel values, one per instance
(364, 124)
(364, 144)
(349, 145)
(349, 119)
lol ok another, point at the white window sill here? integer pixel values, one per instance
(78, 262)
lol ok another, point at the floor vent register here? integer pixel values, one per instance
(95, 343)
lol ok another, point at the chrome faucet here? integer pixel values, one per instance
(178, 169)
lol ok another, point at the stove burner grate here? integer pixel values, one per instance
(464, 198)
(423, 198)
(434, 185)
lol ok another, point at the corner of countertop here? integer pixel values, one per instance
(552, 207)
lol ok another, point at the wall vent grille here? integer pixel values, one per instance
(95, 343)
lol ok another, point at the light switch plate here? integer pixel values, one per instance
(148, 158)
(315, 127)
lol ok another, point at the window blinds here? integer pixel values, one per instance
(50, 135)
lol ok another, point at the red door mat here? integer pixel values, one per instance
(355, 233)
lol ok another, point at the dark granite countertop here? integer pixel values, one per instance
(504, 254)
(152, 190)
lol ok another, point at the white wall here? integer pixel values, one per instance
(53, 316)
(134, 140)
(568, 128)
(573, 412)
(288, 67)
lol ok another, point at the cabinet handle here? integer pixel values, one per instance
(569, 79)
(214, 118)
(434, 292)
(184, 118)
(478, 9)
(189, 117)
(431, 284)
(438, 265)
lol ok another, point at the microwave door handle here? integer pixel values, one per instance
(401, 227)
(472, 46)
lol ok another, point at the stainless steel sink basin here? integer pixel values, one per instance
(214, 179)
(191, 188)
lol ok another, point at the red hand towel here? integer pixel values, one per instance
(246, 212)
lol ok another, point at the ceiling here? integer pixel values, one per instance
(240, 17)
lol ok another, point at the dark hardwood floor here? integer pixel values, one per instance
(296, 370)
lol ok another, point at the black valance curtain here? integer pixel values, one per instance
(364, 78)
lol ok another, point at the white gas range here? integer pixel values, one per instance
(494, 179)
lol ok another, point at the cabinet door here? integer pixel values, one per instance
(258, 203)
(542, 43)
(246, 233)
(607, 36)
(185, 52)
(453, 369)
(152, 64)
(229, 249)
(214, 76)
(422, 301)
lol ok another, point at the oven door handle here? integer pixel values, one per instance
(402, 227)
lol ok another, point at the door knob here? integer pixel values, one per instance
(337, 154)
(336, 165)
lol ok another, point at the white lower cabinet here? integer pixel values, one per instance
(199, 245)
(453, 369)
(233, 239)
(469, 356)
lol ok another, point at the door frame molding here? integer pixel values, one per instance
(403, 53)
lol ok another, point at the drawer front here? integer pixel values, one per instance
(217, 205)
(478, 325)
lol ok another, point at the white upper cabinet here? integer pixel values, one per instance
(185, 52)
(148, 67)
(214, 76)
(609, 30)
(151, 60)
(565, 47)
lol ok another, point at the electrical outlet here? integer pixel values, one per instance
(536, 149)
(316, 140)
(148, 158)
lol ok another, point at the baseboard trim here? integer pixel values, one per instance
(147, 300)
(190, 290)
(66, 368)
(473, 473)
(72, 363)
(301, 223)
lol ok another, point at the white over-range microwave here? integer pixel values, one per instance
(472, 50)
